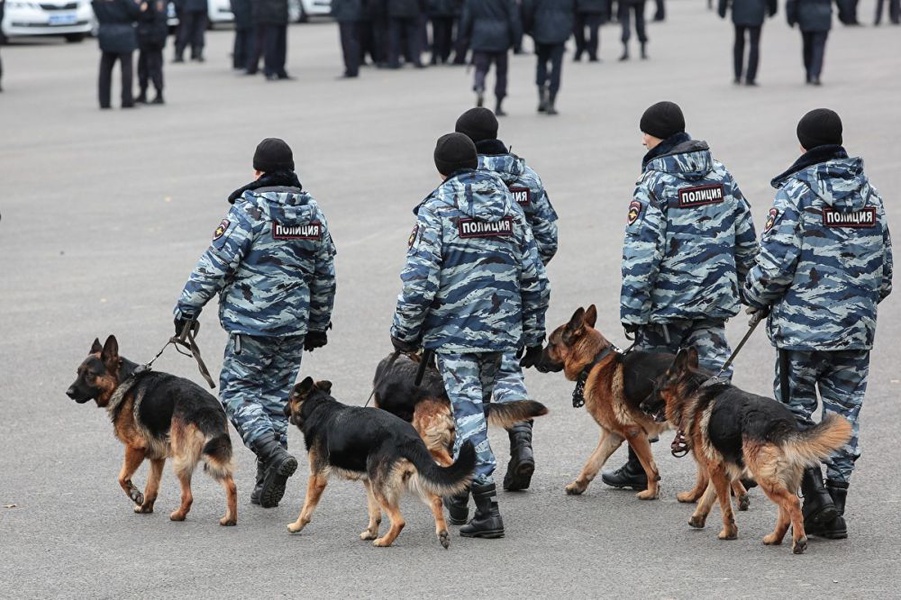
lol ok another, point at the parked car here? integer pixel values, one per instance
(300, 11)
(72, 19)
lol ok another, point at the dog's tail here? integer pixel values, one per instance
(507, 414)
(814, 444)
(217, 454)
(441, 481)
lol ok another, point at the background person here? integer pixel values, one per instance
(491, 28)
(152, 33)
(549, 23)
(747, 17)
(118, 40)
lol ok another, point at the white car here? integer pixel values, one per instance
(300, 11)
(219, 11)
(72, 19)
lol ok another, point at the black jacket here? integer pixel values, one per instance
(591, 7)
(347, 10)
(810, 15)
(404, 9)
(491, 25)
(444, 8)
(116, 18)
(548, 21)
(748, 13)
(152, 26)
(192, 6)
(243, 13)
(270, 12)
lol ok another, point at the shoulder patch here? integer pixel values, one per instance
(701, 195)
(470, 228)
(220, 231)
(634, 211)
(523, 195)
(771, 219)
(310, 231)
(412, 237)
(865, 217)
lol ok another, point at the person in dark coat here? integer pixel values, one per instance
(894, 11)
(491, 28)
(748, 17)
(403, 25)
(271, 17)
(549, 23)
(118, 40)
(624, 9)
(814, 19)
(589, 16)
(349, 15)
(244, 38)
(192, 22)
(375, 31)
(442, 14)
(152, 33)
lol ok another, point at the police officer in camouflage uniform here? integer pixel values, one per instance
(272, 263)
(689, 244)
(480, 125)
(474, 289)
(825, 264)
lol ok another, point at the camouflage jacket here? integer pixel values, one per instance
(532, 198)
(689, 239)
(272, 263)
(473, 281)
(825, 256)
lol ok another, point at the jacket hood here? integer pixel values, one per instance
(286, 206)
(686, 159)
(508, 167)
(480, 195)
(834, 177)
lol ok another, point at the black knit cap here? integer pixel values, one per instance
(273, 154)
(478, 123)
(455, 151)
(663, 120)
(819, 127)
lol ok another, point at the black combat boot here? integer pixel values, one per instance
(625, 54)
(644, 51)
(457, 508)
(551, 100)
(142, 97)
(630, 475)
(542, 99)
(522, 462)
(818, 507)
(498, 110)
(258, 485)
(836, 529)
(487, 522)
(279, 466)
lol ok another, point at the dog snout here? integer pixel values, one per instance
(71, 393)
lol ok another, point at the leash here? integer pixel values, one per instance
(186, 340)
(385, 374)
(579, 392)
(752, 325)
(423, 363)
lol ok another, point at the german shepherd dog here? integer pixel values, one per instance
(383, 450)
(428, 408)
(157, 416)
(730, 431)
(615, 384)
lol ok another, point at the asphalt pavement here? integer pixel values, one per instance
(104, 214)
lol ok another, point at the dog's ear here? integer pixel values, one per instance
(96, 347)
(110, 352)
(324, 385)
(303, 388)
(686, 358)
(692, 357)
(591, 316)
(573, 329)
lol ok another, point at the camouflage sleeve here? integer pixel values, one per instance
(643, 249)
(322, 287)
(231, 242)
(746, 246)
(885, 288)
(535, 291)
(420, 277)
(780, 247)
(544, 227)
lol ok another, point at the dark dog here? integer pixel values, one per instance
(731, 430)
(614, 386)
(156, 416)
(379, 448)
(428, 408)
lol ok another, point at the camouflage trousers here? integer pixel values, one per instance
(708, 336)
(841, 380)
(257, 376)
(469, 380)
(510, 384)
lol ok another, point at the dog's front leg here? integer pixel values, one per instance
(721, 482)
(699, 517)
(133, 459)
(700, 485)
(151, 490)
(642, 447)
(607, 445)
(315, 486)
(375, 514)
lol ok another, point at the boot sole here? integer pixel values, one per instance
(519, 477)
(275, 491)
(638, 487)
(488, 535)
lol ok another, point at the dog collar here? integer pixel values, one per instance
(579, 392)
(119, 395)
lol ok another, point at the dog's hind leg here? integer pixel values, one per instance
(392, 509)
(720, 481)
(607, 445)
(151, 490)
(315, 486)
(700, 485)
(741, 494)
(375, 514)
(642, 447)
(183, 472)
(133, 459)
(789, 514)
(437, 507)
(231, 501)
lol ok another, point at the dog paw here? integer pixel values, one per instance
(744, 502)
(367, 534)
(381, 543)
(574, 489)
(144, 509)
(799, 546)
(444, 539)
(227, 522)
(728, 533)
(686, 497)
(295, 527)
(136, 496)
(772, 539)
(178, 515)
(647, 495)
(697, 522)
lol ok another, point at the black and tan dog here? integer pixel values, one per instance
(157, 416)
(377, 447)
(428, 408)
(731, 431)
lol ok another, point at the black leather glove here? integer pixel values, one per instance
(757, 314)
(180, 324)
(314, 339)
(531, 357)
(405, 347)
